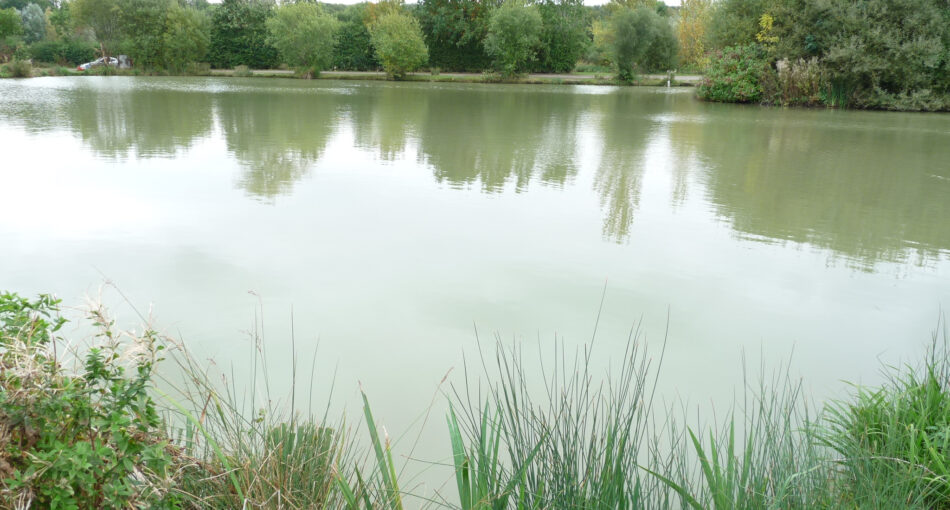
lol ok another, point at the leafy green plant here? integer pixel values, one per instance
(734, 75)
(89, 438)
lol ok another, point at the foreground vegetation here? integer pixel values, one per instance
(99, 429)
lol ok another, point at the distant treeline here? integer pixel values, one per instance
(458, 35)
(890, 54)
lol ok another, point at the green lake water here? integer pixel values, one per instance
(392, 220)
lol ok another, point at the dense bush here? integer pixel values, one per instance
(65, 51)
(514, 31)
(880, 54)
(734, 75)
(89, 438)
(353, 49)
(34, 23)
(20, 69)
(399, 44)
(455, 31)
(891, 54)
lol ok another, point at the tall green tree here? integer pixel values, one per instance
(455, 32)
(142, 29)
(103, 17)
(10, 30)
(563, 36)
(642, 41)
(735, 22)
(239, 35)
(514, 33)
(353, 49)
(186, 38)
(34, 23)
(303, 34)
(399, 44)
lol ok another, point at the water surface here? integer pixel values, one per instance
(395, 219)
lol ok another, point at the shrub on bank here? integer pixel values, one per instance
(399, 45)
(67, 51)
(734, 75)
(89, 438)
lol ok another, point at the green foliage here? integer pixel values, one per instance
(304, 35)
(63, 51)
(735, 22)
(734, 75)
(563, 36)
(103, 17)
(641, 40)
(399, 44)
(514, 31)
(382, 488)
(10, 30)
(186, 38)
(142, 28)
(353, 49)
(61, 19)
(895, 441)
(20, 69)
(891, 54)
(86, 440)
(239, 35)
(455, 31)
(34, 23)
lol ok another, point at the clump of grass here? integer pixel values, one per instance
(576, 446)
(198, 69)
(242, 71)
(20, 69)
(893, 442)
(250, 455)
(762, 456)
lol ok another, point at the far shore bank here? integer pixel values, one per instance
(585, 78)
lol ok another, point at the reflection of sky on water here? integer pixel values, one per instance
(822, 179)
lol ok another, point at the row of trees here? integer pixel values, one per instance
(511, 37)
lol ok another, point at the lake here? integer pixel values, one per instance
(392, 220)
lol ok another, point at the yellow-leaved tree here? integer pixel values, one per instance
(694, 17)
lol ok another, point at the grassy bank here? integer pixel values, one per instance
(26, 70)
(99, 428)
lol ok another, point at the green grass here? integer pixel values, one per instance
(525, 432)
